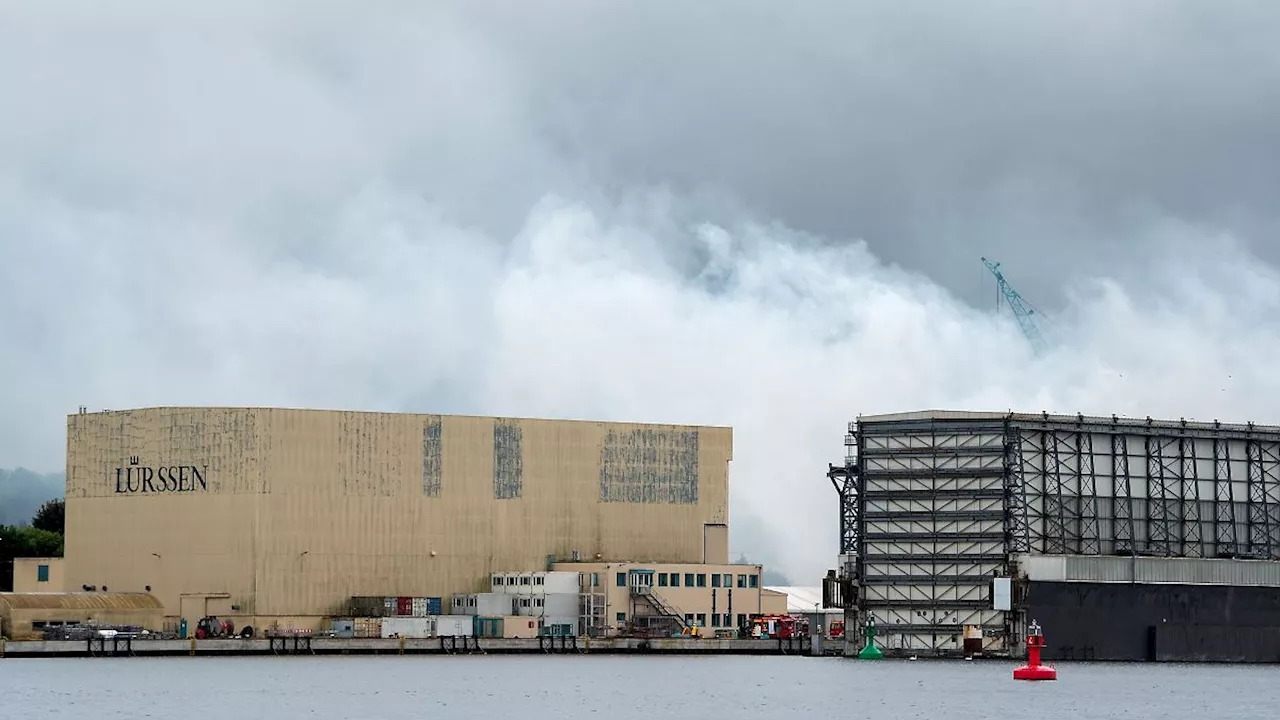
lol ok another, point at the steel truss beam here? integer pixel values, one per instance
(1264, 496)
(1071, 496)
(1123, 495)
(1159, 537)
(1090, 538)
(845, 480)
(1055, 514)
(1191, 537)
(1017, 523)
(1224, 506)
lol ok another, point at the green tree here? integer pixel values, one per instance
(17, 541)
(51, 517)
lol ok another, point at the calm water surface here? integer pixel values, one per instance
(622, 688)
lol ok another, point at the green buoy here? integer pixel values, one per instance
(870, 651)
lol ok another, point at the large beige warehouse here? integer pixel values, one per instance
(282, 515)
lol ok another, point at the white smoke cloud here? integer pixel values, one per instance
(354, 212)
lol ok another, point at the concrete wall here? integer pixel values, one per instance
(286, 514)
(697, 600)
(773, 602)
(26, 575)
(715, 543)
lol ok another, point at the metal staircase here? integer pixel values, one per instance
(660, 605)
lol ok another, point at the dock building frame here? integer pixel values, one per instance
(936, 506)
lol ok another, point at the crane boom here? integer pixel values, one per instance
(1022, 310)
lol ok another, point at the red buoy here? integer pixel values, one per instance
(1033, 670)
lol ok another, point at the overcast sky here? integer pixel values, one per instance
(768, 215)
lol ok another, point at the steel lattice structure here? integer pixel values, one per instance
(934, 505)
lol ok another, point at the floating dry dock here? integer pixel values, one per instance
(303, 645)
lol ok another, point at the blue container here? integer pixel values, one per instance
(434, 606)
(486, 627)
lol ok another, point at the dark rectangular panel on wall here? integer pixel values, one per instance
(650, 465)
(1190, 623)
(432, 457)
(368, 463)
(508, 460)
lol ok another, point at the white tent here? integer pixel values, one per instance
(804, 600)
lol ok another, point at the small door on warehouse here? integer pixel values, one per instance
(193, 608)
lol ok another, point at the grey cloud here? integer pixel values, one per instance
(1043, 135)
(765, 215)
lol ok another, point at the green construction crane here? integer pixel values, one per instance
(1021, 309)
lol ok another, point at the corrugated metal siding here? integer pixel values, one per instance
(1097, 569)
(1185, 571)
(1044, 567)
(306, 509)
(1208, 572)
(80, 601)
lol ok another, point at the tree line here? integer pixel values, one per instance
(42, 537)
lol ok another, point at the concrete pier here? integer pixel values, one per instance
(303, 645)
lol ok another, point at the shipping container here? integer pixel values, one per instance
(467, 605)
(561, 582)
(487, 627)
(526, 606)
(516, 626)
(404, 606)
(558, 604)
(343, 628)
(493, 604)
(367, 627)
(424, 606)
(368, 606)
(454, 626)
(523, 584)
(409, 627)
